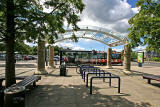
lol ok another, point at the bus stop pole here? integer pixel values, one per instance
(60, 57)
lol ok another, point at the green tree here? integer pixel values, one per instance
(34, 50)
(57, 49)
(2, 47)
(145, 25)
(25, 20)
(20, 47)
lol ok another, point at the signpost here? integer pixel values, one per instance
(140, 59)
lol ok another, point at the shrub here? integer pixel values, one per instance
(155, 59)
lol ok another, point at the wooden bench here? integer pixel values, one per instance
(150, 77)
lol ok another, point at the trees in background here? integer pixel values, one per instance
(145, 25)
(26, 20)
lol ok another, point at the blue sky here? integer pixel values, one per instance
(132, 2)
(109, 14)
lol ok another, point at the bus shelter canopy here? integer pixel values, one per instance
(99, 34)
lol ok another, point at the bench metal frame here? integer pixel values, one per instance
(91, 80)
(17, 78)
(151, 77)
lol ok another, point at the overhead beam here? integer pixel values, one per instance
(98, 31)
(81, 37)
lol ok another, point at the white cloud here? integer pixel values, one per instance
(135, 10)
(78, 48)
(30, 44)
(110, 14)
(68, 45)
(117, 50)
(64, 45)
(140, 48)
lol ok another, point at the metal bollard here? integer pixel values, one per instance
(62, 70)
(15, 96)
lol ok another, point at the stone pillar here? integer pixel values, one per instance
(41, 58)
(51, 56)
(109, 58)
(127, 58)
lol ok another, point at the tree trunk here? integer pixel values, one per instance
(10, 41)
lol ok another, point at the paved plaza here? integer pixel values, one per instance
(70, 91)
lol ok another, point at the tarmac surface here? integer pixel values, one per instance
(70, 91)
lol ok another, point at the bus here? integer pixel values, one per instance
(74, 57)
(100, 58)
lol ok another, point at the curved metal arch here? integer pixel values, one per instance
(97, 31)
(81, 37)
(115, 39)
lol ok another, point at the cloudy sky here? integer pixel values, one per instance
(110, 14)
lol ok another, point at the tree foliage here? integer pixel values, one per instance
(20, 47)
(26, 20)
(31, 22)
(145, 25)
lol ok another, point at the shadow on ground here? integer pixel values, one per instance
(76, 96)
(28, 65)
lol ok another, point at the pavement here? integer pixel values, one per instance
(70, 91)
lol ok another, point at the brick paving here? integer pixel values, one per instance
(70, 91)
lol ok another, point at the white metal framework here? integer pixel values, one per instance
(94, 33)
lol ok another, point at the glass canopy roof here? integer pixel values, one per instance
(95, 33)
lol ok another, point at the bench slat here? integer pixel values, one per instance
(153, 77)
(27, 81)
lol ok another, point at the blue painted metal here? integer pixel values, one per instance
(91, 80)
(99, 76)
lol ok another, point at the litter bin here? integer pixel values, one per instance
(15, 96)
(1, 97)
(63, 69)
(139, 64)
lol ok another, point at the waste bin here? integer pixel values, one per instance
(15, 96)
(1, 97)
(139, 64)
(63, 69)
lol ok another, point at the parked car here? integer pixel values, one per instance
(56, 58)
(18, 57)
(26, 58)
